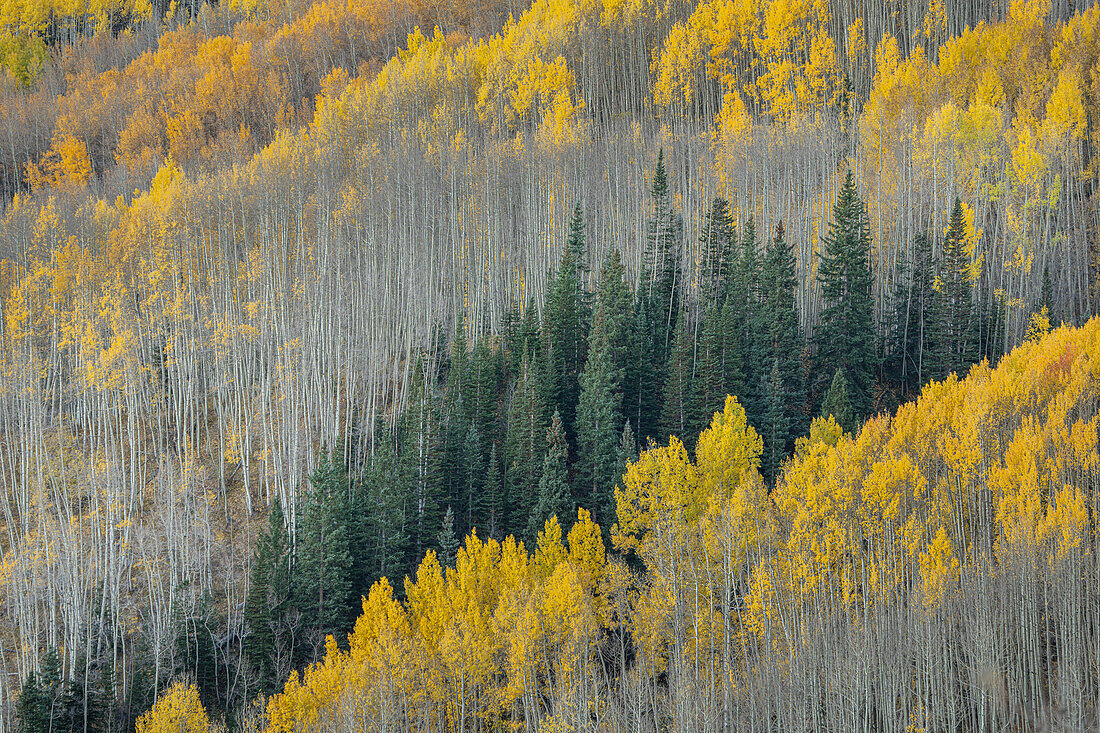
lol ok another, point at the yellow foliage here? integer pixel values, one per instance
(177, 710)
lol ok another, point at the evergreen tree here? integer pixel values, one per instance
(716, 254)
(627, 453)
(419, 458)
(663, 264)
(598, 419)
(32, 709)
(641, 402)
(775, 421)
(740, 308)
(524, 446)
(196, 651)
(387, 539)
(52, 689)
(845, 337)
(494, 496)
(322, 562)
(957, 331)
(473, 500)
(565, 327)
(1046, 295)
(779, 340)
(448, 542)
(680, 415)
(267, 604)
(84, 707)
(837, 402)
(554, 498)
(614, 312)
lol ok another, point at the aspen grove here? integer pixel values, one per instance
(562, 366)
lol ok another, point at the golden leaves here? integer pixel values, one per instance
(177, 710)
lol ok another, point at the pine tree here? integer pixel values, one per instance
(778, 337)
(742, 301)
(524, 446)
(680, 415)
(614, 311)
(565, 327)
(775, 421)
(958, 327)
(267, 626)
(84, 706)
(1046, 295)
(52, 689)
(598, 418)
(716, 254)
(837, 402)
(845, 337)
(322, 558)
(420, 458)
(641, 398)
(32, 709)
(627, 454)
(494, 496)
(475, 476)
(388, 540)
(448, 542)
(554, 498)
(196, 653)
(662, 263)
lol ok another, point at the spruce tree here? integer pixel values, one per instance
(662, 263)
(741, 306)
(716, 254)
(680, 414)
(447, 541)
(641, 403)
(554, 498)
(32, 709)
(775, 421)
(598, 418)
(958, 330)
(778, 337)
(837, 402)
(614, 311)
(494, 497)
(420, 458)
(1046, 295)
(473, 500)
(267, 604)
(52, 689)
(845, 336)
(322, 566)
(565, 327)
(524, 447)
(387, 538)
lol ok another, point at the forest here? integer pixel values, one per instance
(644, 365)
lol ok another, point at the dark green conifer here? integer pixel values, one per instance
(778, 337)
(554, 498)
(598, 419)
(267, 627)
(448, 542)
(837, 402)
(845, 336)
(565, 327)
(957, 332)
(322, 556)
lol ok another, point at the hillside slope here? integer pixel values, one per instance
(938, 570)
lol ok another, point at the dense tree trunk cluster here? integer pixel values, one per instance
(250, 261)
